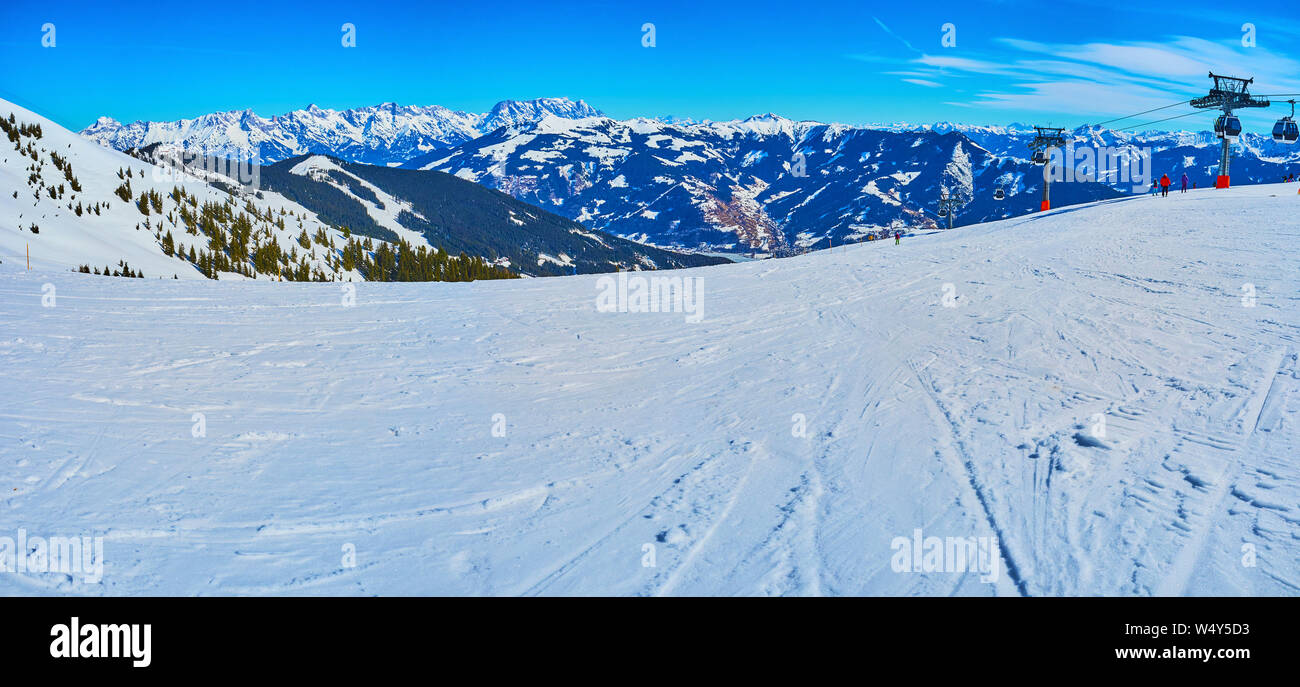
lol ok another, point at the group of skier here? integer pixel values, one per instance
(1162, 185)
(898, 237)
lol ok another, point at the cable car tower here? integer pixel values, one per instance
(948, 204)
(1045, 139)
(1229, 93)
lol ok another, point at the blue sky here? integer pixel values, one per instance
(1065, 64)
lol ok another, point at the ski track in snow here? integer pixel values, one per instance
(371, 426)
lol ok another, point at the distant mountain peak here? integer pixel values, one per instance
(513, 112)
(385, 133)
(676, 120)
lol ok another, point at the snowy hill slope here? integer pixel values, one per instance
(119, 231)
(290, 222)
(441, 211)
(508, 438)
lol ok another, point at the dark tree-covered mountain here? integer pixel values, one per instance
(442, 211)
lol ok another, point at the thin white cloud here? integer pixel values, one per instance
(1181, 63)
(1102, 79)
(965, 64)
(887, 30)
(1152, 59)
(1092, 100)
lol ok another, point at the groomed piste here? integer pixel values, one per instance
(1104, 397)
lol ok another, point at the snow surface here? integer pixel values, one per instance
(628, 434)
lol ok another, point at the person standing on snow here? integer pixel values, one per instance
(1164, 185)
(1154, 187)
(898, 236)
(1185, 180)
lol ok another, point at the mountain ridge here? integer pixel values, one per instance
(69, 203)
(736, 185)
(445, 212)
(375, 134)
(765, 183)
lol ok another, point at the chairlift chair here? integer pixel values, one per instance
(999, 194)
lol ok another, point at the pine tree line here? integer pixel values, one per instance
(123, 270)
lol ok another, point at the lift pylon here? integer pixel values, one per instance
(1229, 93)
(1045, 139)
(948, 204)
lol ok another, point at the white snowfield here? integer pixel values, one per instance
(1111, 408)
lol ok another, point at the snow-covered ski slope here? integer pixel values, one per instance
(120, 232)
(645, 454)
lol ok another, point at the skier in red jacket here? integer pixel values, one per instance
(1164, 185)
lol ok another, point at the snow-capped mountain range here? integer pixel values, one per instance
(379, 134)
(737, 185)
(66, 202)
(764, 183)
